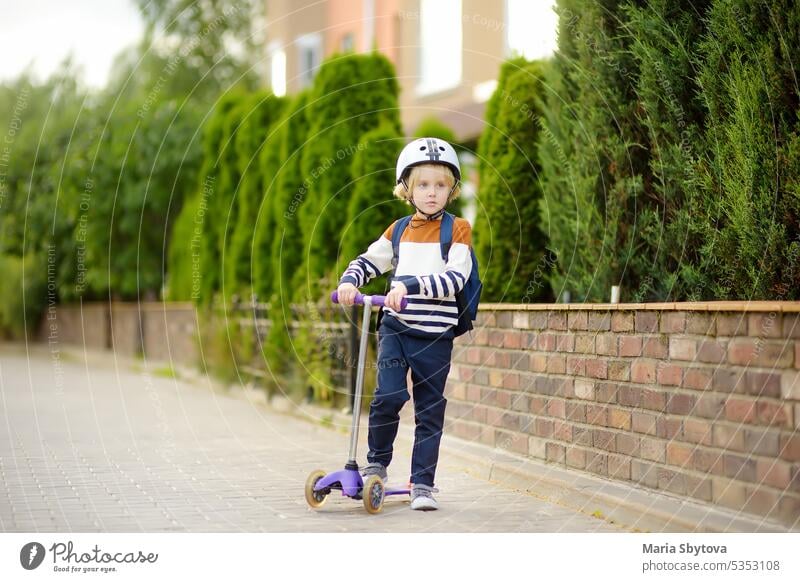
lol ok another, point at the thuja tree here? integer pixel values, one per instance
(674, 253)
(509, 242)
(669, 149)
(257, 151)
(352, 94)
(219, 216)
(591, 162)
(748, 79)
(435, 127)
(168, 161)
(182, 278)
(193, 262)
(372, 207)
(718, 99)
(238, 169)
(278, 244)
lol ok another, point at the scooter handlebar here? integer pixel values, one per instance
(378, 300)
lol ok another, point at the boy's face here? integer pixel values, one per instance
(432, 188)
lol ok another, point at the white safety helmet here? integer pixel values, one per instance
(427, 150)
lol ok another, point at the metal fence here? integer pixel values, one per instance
(336, 328)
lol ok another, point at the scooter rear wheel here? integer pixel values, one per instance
(315, 499)
(373, 494)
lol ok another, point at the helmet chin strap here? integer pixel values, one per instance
(427, 216)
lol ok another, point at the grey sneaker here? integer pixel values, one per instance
(422, 498)
(374, 469)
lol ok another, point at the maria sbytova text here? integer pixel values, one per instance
(683, 549)
(98, 556)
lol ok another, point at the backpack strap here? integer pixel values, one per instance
(446, 234)
(397, 232)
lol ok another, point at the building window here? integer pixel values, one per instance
(531, 28)
(310, 57)
(348, 43)
(277, 70)
(440, 46)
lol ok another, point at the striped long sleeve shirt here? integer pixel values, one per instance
(432, 284)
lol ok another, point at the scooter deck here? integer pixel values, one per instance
(350, 483)
(397, 492)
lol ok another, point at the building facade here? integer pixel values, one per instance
(447, 53)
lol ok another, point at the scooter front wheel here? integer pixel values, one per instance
(315, 498)
(373, 494)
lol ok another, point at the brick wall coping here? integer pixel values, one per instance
(707, 306)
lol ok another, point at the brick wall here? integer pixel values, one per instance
(126, 329)
(170, 332)
(698, 400)
(77, 325)
(161, 331)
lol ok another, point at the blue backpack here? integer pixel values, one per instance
(470, 295)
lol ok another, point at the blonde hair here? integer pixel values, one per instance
(404, 193)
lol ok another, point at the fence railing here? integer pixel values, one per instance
(337, 330)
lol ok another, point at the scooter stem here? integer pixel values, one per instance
(362, 355)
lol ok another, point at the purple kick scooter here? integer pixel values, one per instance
(319, 483)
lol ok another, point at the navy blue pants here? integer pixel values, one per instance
(429, 360)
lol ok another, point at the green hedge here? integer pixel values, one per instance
(751, 178)
(590, 151)
(509, 241)
(669, 150)
(24, 292)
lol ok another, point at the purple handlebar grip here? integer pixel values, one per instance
(377, 300)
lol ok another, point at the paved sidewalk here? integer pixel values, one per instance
(95, 444)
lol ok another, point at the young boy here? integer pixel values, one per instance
(419, 337)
